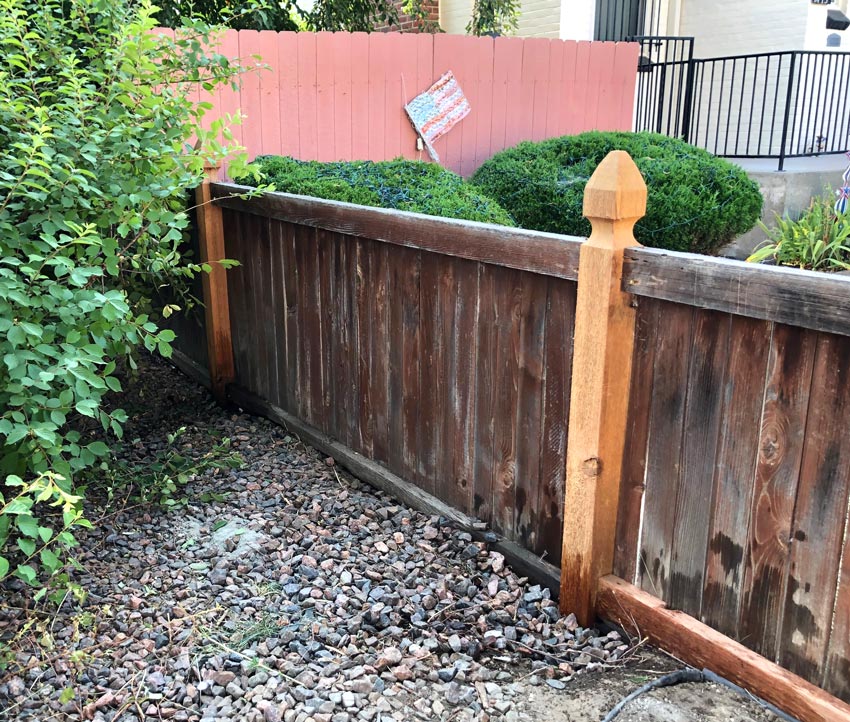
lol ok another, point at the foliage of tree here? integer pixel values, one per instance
(100, 144)
(493, 17)
(488, 16)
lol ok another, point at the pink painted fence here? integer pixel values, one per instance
(340, 96)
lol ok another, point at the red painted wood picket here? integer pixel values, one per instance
(340, 96)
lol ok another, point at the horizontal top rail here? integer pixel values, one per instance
(807, 299)
(548, 254)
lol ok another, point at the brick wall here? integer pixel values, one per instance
(406, 24)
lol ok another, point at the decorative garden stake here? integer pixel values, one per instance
(614, 199)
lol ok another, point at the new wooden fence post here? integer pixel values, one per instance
(614, 199)
(216, 304)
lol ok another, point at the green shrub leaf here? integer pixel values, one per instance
(696, 202)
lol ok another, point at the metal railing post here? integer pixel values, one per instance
(787, 111)
(689, 93)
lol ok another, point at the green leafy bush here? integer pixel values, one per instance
(405, 185)
(696, 202)
(819, 240)
(98, 133)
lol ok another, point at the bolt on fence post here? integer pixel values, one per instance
(216, 303)
(614, 199)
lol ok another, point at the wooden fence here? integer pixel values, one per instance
(705, 460)
(340, 96)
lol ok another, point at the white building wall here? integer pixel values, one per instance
(454, 15)
(736, 27)
(577, 19)
(537, 18)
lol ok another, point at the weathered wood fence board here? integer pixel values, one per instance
(340, 96)
(440, 352)
(381, 350)
(739, 436)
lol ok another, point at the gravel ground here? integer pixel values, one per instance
(304, 595)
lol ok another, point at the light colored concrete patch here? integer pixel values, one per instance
(787, 193)
(590, 697)
(232, 540)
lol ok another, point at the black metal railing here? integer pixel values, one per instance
(766, 105)
(665, 70)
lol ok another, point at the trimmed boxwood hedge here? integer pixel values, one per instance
(405, 185)
(696, 201)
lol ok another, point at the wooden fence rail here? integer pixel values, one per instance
(705, 461)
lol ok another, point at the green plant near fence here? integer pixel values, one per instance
(405, 185)
(696, 202)
(97, 129)
(819, 240)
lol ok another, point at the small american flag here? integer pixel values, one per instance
(843, 194)
(436, 111)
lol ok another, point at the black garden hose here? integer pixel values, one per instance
(693, 675)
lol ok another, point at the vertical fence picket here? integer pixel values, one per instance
(743, 394)
(216, 302)
(250, 97)
(287, 57)
(397, 50)
(270, 141)
(821, 508)
(307, 92)
(326, 95)
(777, 475)
(360, 97)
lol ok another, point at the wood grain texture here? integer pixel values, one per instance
(635, 453)
(379, 314)
(507, 329)
(545, 253)
(291, 336)
(237, 296)
(786, 404)
(457, 307)
(409, 262)
(431, 385)
(615, 197)
(333, 412)
(261, 294)
(703, 647)
(820, 513)
(485, 395)
(277, 317)
(529, 413)
(363, 335)
(836, 674)
(800, 298)
(674, 328)
(701, 430)
(557, 369)
(737, 453)
(216, 300)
